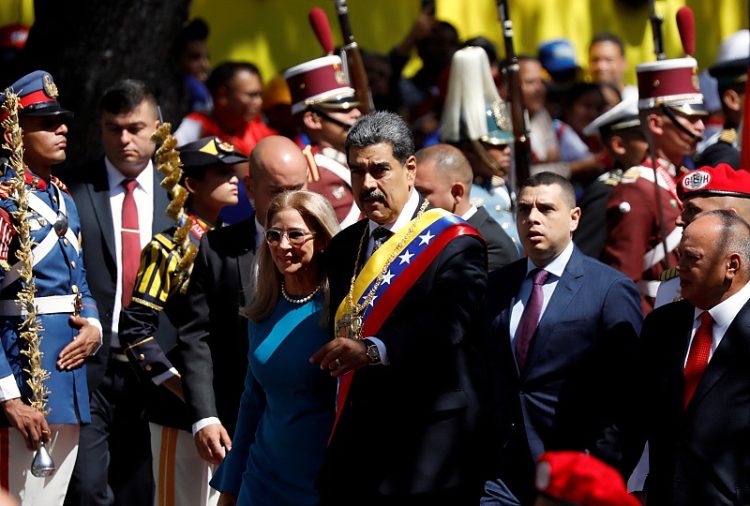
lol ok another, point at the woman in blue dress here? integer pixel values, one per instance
(287, 408)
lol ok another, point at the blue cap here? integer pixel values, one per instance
(558, 55)
(37, 94)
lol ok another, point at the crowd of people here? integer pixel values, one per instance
(286, 301)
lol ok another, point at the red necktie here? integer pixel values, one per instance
(700, 350)
(131, 241)
(530, 317)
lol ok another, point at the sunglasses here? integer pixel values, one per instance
(295, 236)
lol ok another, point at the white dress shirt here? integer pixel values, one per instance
(556, 268)
(144, 201)
(723, 314)
(469, 213)
(404, 217)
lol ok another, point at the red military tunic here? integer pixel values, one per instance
(634, 242)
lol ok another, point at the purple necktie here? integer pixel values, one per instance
(530, 317)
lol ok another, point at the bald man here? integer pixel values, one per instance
(694, 382)
(222, 279)
(444, 177)
(706, 189)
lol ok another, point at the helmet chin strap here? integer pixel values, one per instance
(668, 112)
(331, 119)
(490, 162)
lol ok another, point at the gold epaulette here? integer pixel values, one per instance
(631, 175)
(611, 178)
(728, 135)
(313, 173)
(670, 273)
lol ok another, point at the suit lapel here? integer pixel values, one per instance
(565, 291)
(503, 306)
(723, 356)
(98, 192)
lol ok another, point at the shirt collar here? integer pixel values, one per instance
(471, 212)
(724, 313)
(556, 266)
(404, 217)
(145, 179)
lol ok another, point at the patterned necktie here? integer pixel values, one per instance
(379, 236)
(700, 350)
(131, 241)
(530, 317)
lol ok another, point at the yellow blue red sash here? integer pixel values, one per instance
(421, 244)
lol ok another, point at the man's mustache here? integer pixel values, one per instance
(372, 195)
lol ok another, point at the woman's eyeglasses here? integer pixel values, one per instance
(295, 236)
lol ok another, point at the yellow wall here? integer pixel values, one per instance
(16, 11)
(275, 33)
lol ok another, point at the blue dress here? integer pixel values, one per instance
(286, 412)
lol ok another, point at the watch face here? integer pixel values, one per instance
(373, 354)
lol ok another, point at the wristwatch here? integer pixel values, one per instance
(372, 351)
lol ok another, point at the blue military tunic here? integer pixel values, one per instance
(59, 272)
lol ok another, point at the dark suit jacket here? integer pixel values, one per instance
(571, 393)
(213, 338)
(500, 247)
(410, 427)
(90, 190)
(700, 456)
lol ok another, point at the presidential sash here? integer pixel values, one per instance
(410, 251)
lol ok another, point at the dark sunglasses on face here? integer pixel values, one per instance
(295, 236)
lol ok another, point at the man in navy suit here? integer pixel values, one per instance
(562, 336)
(695, 385)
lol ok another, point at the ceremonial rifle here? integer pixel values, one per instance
(352, 58)
(518, 114)
(656, 22)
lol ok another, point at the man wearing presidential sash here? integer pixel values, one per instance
(407, 285)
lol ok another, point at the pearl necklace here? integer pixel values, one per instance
(306, 298)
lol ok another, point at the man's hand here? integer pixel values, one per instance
(75, 353)
(341, 356)
(174, 385)
(213, 443)
(29, 422)
(227, 499)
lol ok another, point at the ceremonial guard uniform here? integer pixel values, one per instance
(162, 279)
(730, 72)
(482, 130)
(641, 211)
(319, 86)
(634, 244)
(61, 291)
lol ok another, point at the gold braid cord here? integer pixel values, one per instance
(30, 328)
(168, 163)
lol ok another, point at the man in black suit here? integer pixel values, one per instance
(213, 340)
(562, 338)
(406, 431)
(114, 457)
(444, 178)
(696, 354)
